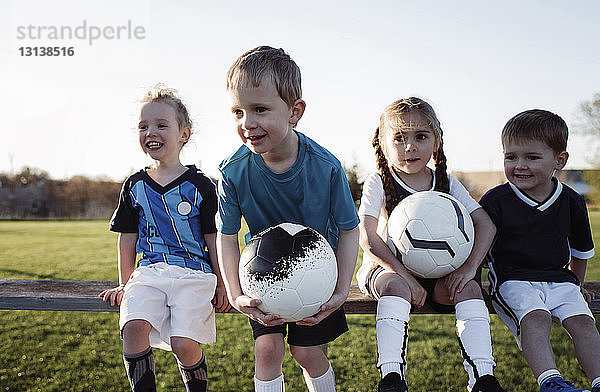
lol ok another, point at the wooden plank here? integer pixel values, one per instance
(72, 295)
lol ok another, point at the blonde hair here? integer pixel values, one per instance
(537, 124)
(169, 96)
(391, 118)
(262, 62)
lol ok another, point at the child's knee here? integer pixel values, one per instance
(269, 349)
(393, 284)
(580, 324)
(472, 290)
(536, 319)
(136, 328)
(185, 349)
(307, 356)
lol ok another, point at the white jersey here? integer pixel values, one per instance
(372, 203)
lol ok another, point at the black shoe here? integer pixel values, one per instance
(392, 382)
(487, 383)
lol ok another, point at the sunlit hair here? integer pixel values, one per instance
(251, 69)
(537, 124)
(169, 96)
(392, 119)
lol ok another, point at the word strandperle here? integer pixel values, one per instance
(81, 32)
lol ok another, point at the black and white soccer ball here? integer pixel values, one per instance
(291, 268)
(432, 233)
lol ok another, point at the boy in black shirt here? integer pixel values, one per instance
(541, 249)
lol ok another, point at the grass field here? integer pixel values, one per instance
(81, 351)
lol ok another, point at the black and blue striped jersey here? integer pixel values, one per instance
(170, 220)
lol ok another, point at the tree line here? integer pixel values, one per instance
(32, 194)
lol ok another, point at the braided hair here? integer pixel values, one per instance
(391, 118)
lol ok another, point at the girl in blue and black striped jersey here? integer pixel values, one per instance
(166, 213)
(408, 137)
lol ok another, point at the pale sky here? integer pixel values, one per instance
(477, 62)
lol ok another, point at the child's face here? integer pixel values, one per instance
(263, 120)
(410, 148)
(530, 165)
(160, 135)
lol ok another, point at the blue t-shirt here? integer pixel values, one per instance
(313, 192)
(170, 220)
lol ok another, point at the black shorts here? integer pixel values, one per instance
(301, 335)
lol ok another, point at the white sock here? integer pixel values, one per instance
(546, 375)
(473, 330)
(392, 334)
(596, 382)
(323, 383)
(274, 385)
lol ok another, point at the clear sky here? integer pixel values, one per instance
(477, 62)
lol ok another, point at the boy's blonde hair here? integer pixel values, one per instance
(537, 124)
(255, 65)
(169, 96)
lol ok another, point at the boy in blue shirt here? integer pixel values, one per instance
(280, 175)
(541, 249)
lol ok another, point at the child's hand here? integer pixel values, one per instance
(458, 279)
(114, 295)
(249, 306)
(325, 310)
(220, 300)
(418, 294)
(587, 295)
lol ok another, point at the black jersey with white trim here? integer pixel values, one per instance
(535, 240)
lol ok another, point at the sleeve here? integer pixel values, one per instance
(373, 196)
(461, 194)
(228, 220)
(489, 207)
(341, 203)
(208, 208)
(580, 238)
(125, 219)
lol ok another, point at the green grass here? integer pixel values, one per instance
(81, 351)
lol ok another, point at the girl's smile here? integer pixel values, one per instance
(160, 135)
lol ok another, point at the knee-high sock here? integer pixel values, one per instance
(194, 377)
(392, 334)
(140, 370)
(474, 338)
(323, 383)
(275, 385)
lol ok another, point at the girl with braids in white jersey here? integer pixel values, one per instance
(408, 136)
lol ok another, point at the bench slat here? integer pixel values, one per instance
(78, 295)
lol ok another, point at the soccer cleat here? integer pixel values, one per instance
(559, 384)
(487, 383)
(392, 382)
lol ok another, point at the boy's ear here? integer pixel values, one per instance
(297, 111)
(561, 160)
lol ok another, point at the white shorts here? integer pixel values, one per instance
(176, 301)
(561, 300)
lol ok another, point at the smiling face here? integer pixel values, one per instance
(160, 135)
(530, 165)
(409, 148)
(264, 121)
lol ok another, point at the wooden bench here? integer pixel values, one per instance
(17, 294)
